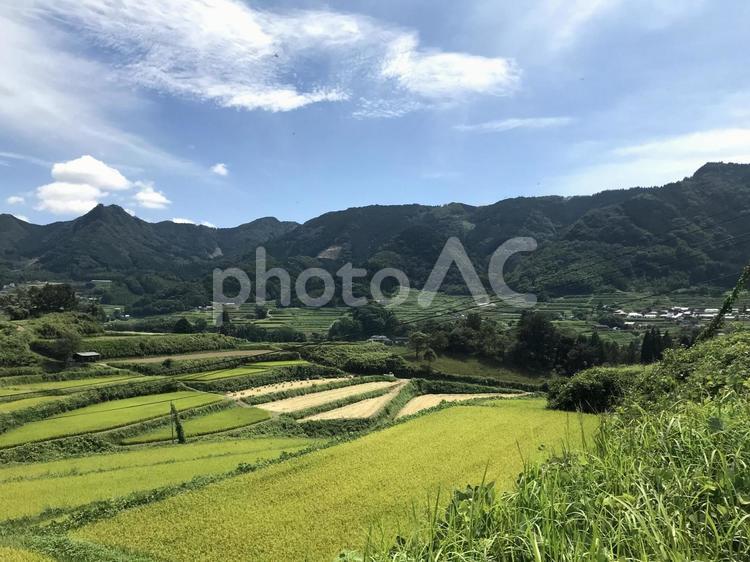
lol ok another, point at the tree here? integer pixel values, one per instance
(537, 342)
(177, 425)
(52, 298)
(417, 340)
(429, 355)
(183, 326)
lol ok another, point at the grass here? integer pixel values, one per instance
(103, 416)
(215, 422)
(91, 382)
(472, 367)
(314, 506)
(251, 369)
(13, 554)
(27, 490)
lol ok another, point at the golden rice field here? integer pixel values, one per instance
(29, 489)
(312, 507)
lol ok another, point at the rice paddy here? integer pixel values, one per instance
(214, 422)
(67, 385)
(314, 399)
(251, 369)
(317, 504)
(105, 415)
(27, 490)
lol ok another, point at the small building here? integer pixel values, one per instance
(380, 339)
(87, 356)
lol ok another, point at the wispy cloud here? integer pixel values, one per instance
(15, 200)
(502, 125)
(660, 160)
(231, 54)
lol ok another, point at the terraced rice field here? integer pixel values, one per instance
(314, 399)
(359, 410)
(283, 386)
(252, 369)
(214, 422)
(105, 415)
(72, 385)
(198, 355)
(13, 554)
(16, 405)
(27, 490)
(311, 508)
(425, 401)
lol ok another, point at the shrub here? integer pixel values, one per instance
(134, 346)
(595, 390)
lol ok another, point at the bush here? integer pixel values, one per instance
(594, 390)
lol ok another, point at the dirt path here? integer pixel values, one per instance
(198, 355)
(359, 410)
(282, 386)
(319, 398)
(419, 403)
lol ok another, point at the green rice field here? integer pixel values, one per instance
(72, 385)
(310, 508)
(251, 369)
(27, 490)
(16, 405)
(215, 422)
(105, 415)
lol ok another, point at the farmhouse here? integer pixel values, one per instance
(87, 356)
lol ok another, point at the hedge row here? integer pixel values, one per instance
(139, 346)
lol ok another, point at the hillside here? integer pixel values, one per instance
(686, 233)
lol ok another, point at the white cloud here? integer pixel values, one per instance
(15, 200)
(220, 169)
(234, 55)
(89, 170)
(208, 224)
(660, 161)
(23, 218)
(149, 198)
(182, 221)
(437, 75)
(84, 182)
(516, 123)
(131, 212)
(63, 198)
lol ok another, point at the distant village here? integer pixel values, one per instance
(681, 315)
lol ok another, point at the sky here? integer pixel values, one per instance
(219, 112)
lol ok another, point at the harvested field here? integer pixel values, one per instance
(319, 398)
(282, 386)
(197, 355)
(359, 410)
(419, 403)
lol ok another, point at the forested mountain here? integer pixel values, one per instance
(687, 233)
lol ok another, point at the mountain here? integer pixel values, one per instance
(686, 233)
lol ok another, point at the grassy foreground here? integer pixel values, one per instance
(313, 506)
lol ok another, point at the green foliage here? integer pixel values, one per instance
(133, 346)
(662, 486)
(595, 390)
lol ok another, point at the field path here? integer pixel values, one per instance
(319, 398)
(282, 386)
(419, 403)
(360, 410)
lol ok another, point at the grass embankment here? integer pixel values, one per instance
(196, 355)
(468, 366)
(29, 489)
(105, 415)
(313, 506)
(215, 422)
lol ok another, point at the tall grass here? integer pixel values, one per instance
(672, 485)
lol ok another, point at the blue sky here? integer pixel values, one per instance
(223, 111)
